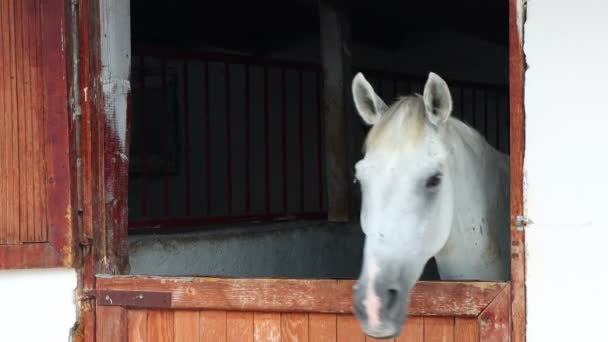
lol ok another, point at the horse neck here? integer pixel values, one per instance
(478, 176)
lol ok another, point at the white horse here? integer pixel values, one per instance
(430, 186)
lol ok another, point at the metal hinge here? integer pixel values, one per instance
(521, 222)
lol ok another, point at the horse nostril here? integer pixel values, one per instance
(391, 299)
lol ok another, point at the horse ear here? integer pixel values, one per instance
(437, 99)
(369, 105)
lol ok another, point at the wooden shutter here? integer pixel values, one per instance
(35, 187)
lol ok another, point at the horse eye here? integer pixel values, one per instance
(433, 181)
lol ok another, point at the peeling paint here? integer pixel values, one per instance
(520, 18)
(116, 59)
(116, 93)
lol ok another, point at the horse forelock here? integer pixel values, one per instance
(401, 125)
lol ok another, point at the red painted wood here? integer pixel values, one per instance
(495, 320)
(517, 139)
(34, 152)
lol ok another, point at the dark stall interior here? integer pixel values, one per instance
(227, 160)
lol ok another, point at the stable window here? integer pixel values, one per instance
(243, 138)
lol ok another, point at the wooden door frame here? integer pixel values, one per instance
(99, 253)
(517, 141)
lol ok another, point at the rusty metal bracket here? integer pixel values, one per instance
(132, 299)
(521, 222)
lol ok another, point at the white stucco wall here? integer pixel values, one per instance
(37, 305)
(566, 164)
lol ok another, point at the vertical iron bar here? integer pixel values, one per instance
(284, 136)
(474, 112)
(485, 113)
(497, 116)
(247, 142)
(208, 137)
(166, 140)
(266, 142)
(144, 157)
(301, 137)
(462, 103)
(228, 140)
(320, 138)
(187, 137)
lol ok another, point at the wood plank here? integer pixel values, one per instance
(322, 327)
(413, 330)
(495, 320)
(438, 329)
(29, 157)
(4, 119)
(266, 327)
(12, 228)
(466, 299)
(239, 326)
(37, 113)
(213, 326)
(111, 324)
(21, 123)
(137, 326)
(517, 141)
(349, 329)
(186, 326)
(466, 330)
(294, 327)
(160, 326)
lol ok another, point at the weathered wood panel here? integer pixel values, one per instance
(186, 326)
(111, 324)
(349, 329)
(438, 329)
(299, 295)
(22, 148)
(267, 327)
(35, 173)
(239, 326)
(466, 330)
(116, 323)
(413, 330)
(490, 323)
(294, 327)
(160, 326)
(137, 325)
(213, 326)
(322, 327)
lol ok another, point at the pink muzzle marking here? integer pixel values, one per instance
(372, 301)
